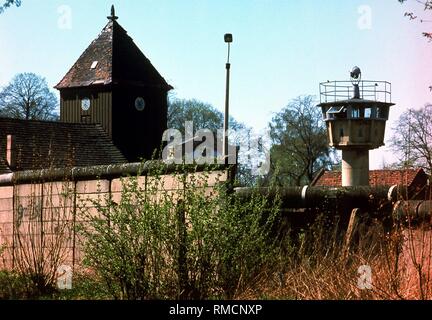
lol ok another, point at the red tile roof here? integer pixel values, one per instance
(392, 177)
(100, 50)
(376, 177)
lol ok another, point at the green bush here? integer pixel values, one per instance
(198, 243)
(12, 286)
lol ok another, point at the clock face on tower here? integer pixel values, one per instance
(85, 104)
(140, 103)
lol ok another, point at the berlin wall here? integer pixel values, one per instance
(39, 209)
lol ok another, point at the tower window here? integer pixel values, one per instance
(336, 112)
(94, 64)
(382, 113)
(85, 104)
(355, 112)
(368, 113)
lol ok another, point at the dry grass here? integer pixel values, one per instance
(316, 268)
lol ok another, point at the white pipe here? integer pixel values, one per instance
(6, 178)
(303, 193)
(390, 192)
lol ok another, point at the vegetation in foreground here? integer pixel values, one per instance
(204, 242)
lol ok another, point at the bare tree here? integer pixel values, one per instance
(8, 3)
(28, 97)
(412, 139)
(426, 5)
(299, 139)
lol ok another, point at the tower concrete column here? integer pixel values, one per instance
(355, 167)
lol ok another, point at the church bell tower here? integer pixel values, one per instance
(114, 85)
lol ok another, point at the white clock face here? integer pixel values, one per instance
(85, 104)
(140, 103)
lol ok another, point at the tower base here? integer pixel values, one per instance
(355, 167)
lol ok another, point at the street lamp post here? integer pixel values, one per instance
(228, 39)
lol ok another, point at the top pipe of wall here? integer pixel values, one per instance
(315, 197)
(101, 172)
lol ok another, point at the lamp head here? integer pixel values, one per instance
(228, 38)
(355, 75)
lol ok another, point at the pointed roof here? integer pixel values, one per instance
(113, 58)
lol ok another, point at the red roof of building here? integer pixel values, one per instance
(100, 50)
(376, 177)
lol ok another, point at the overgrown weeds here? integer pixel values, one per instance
(379, 266)
(188, 236)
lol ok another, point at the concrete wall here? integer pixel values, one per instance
(40, 217)
(6, 221)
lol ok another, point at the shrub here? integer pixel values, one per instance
(196, 242)
(12, 286)
(41, 237)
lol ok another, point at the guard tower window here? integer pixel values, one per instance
(368, 113)
(336, 112)
(382, 113)
(355, 112)
(324, 111)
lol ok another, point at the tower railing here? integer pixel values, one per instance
(333, 91)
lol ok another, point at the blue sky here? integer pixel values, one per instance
(281, 49)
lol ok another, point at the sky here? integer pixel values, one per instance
(281, 49)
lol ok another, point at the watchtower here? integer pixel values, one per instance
(355, 113)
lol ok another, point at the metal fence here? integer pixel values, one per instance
(332, 91)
